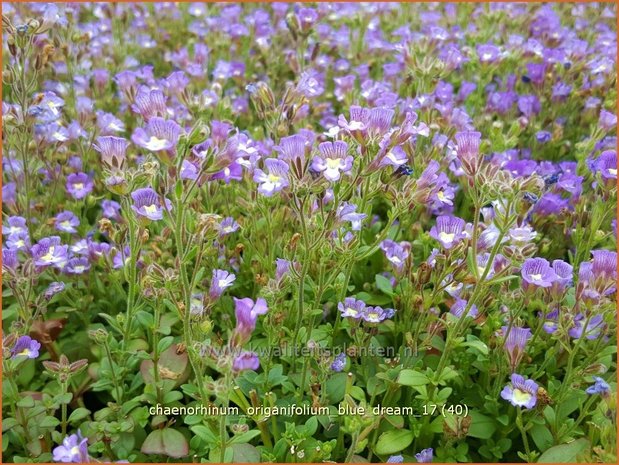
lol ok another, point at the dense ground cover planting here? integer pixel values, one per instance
(305, 233)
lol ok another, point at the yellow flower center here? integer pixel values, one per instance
(151, 209)
(446, 237)
(521, 397)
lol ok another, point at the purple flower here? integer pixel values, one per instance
(227, 226)
(515, 341)
(276, 180)
(79, 185)
(293, 148)
(425, 456)
(247, 315)
(49, 251)
(74, 449)
(339, 362)
(150, 103)
(14, 225)
(282, 268)
(395, 157)
(377, 314)
(396, 253)
(529, 105)
(487, 53)
(606, 165)
(78, 265)
(537, 272)
(599, 387)
(9, 258)
(147, 203)
(593, 329)
(159, 134)
(67, 222)
(246, 361)
(110, 209)
(220, 282)
(459, 306)
(18, 241)
(351, 308)
(309, 84)
(564, 272)
(467, 151)
(607, 120)
(25, 347)
(333, 159)
(53, 289)
(521, 393)
(358, 121)
(395, 459)
(112, 149)
(449, 230)
(347, 212)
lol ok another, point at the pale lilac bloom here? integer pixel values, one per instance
(515, 341)
(377, 314)
(449, 231)
(220, 282)
(246, 361)
(537, 272)
(227, 226)
(348, 212)
(396, 253)
(77, 265)
(276, 180)
(247, 312)
(159, 134)
(112, 149)
(74, 449)
(25, 347)
(79, 185)
(14, 225)
(521, 393)
(18, 241)
(351, 308)
(147, 203)
(67, 222)
(425, 456)
(599, 387)
(459, 307)
(333, 160)
(593, 329)
(49, 251)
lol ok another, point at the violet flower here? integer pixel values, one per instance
(425, 456)
(220, 282)
(79, 185)
(67, 222)
(25, 347)
(276, 180)
(333, 160)
(449, 231)
(521, 393)
(159, 134)
(147, 204)
(537, 272)
(49, 251)
(515, 341)
(74, 449)
(246, 361)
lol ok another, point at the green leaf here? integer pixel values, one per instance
(166, 441)
(384, 284)
(245, 453)
(565, 453)
(49, 422)
(204, 433)
(542, 437)
(78, 414)
(394, 441)
(482, 427)
(412, 378)
(245, 437)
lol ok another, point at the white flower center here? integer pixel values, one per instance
(446, 237)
